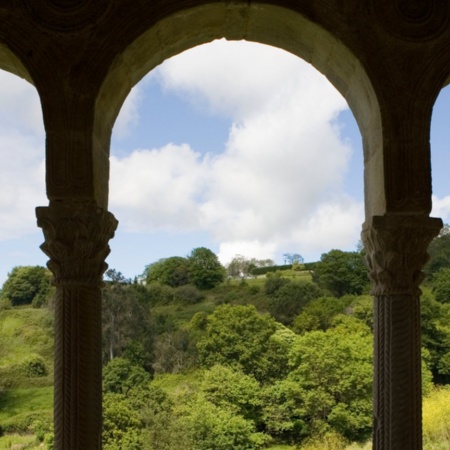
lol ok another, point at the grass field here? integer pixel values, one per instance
(18, 442)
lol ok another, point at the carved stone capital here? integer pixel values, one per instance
(76, 241)
(396, 248)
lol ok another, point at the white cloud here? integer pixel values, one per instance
(20, 106)
(278, 184)
(441, 208)
(21, 157)
(157, 189)
(128, 117)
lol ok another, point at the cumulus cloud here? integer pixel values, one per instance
(21, 157)
(129, 113)
(441, 208)
(157, 189)
(278, 184)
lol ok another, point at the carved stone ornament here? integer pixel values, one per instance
(397, 251)
(76, 241)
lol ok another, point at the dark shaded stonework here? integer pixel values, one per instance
(388, 58)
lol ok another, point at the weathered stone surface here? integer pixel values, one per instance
(388, 58)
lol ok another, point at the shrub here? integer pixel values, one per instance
(34, 366)
(159, 294)
(273, 283)
(188, 294)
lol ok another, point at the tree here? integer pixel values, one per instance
(219, 428)
(292, 258)
(435, 320)
(439, 251)
(328, 388)
(120, 376)
(288, 301)
(441, 285)
(173, 271)
(125, 322)
(27, 285)
(121, 423)
(241, 338)
(342, 273)
(319, 313)
(233, 389)
(242, 267)
(205, 270)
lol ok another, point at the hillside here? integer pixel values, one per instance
(26, 371)
(273, 362)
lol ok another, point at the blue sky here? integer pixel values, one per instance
(238, 147)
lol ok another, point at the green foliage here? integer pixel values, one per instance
(435, 320)
(159, 294)
(121, 423)
(234, 390)
(342, 273)
(242, 267)
(120, 376)
(173, 271)
(124, 320)
(26, 285)
(274, 282)
(218, 428)
(175, 352)
(436, 426)
(163, 429)
(319, 313)
(289, 300)
(25, 332)
(205, 270)
(188, 294)
(239, 337)
(34, 366)
(328, 388)
(439, 251)
(441, 285)
(270, 269)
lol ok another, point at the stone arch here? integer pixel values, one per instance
(267, 24)
(10, 62)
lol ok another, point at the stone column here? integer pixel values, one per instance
(396, 252)
(76, 240)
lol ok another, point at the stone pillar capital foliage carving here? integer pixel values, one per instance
(396, 248)
(76, 241)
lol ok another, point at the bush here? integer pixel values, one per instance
(5, 303)
(22, 423)
(273, 283)
(159, 294)
(34, 366)
(188, 294)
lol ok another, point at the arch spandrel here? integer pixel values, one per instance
(263, 23)
(11, 63)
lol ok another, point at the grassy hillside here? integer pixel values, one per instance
(26, 374)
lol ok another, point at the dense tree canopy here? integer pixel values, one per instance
(205, 270)
(342, 273)
(439, 251)
(441, 285)
(126, 323)
(173, 271)
(239, 337)
(289, 300)
(26, 285)
(320, 393)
